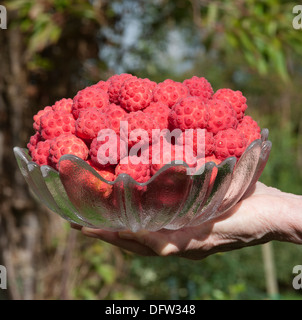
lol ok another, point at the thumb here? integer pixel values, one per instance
(156, 241)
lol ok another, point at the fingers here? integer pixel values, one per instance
(129, 244)
(190, 244)
(147, 243)
(143, 242)
(160, 241)
(75, 226)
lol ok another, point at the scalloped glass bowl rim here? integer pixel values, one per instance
(122, 176)
(263, 145)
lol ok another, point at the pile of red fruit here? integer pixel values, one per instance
(71, 126)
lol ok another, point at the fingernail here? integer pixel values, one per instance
(89, 232)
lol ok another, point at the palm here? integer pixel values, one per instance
(254, 220)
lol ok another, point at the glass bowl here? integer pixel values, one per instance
(171, 199)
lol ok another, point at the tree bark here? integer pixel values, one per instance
(19, 226)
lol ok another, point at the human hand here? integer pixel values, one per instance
(265, 214)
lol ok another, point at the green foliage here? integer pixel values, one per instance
(282, 170)
(246, 45)
(43, 22)
(261, 31)
(258, 31)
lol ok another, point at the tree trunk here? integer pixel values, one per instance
(20, 228)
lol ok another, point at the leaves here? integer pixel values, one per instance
(44, 22)
(44, 34)
(260, 31)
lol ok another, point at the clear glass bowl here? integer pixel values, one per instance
(171, 199)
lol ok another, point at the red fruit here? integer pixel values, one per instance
(103, 85)
(215, 169)
(221, 116)
(250, 129)
(94, 185)
(108, 170)
(40, 155)
(131, 165)
(213, 159)
(110, 154)
(165, 153)
(115, 83)
(160, 113)
(143, 124)
(84, 187)
(38, 116)
(33, 141)
(169, 92)
(115, 114)
(199, 87)
(90, 122)
(88, 98)
(229, 143)
(189, 113)
(67, 144)
(235, 98)
(64, 105)
(202, 162)
(135, 94)
(204, 146)
(151, 83)
(55, 123)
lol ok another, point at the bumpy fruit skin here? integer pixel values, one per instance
(37, 117)
(64, 105)
(221, 116)
(169, 92)
(166, 153)
(115, 83)
(199, 87)
(189, 113)
(67, 144)
(90, 122)
(235, 98)
(151, 83)
(250, 129)
(139, 172)
(160, 113)
(112, 155)
(136, 121)
(203, 148)
(115, 115)
(103, 85)
(40, 155)
(55, 123)
(209, 144)
(33, 141)
(72, 126)
(88, 98)
(229, 143)
(135, 94)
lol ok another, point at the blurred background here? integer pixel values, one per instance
(53, 48)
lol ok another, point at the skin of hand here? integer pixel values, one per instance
(265, 214)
